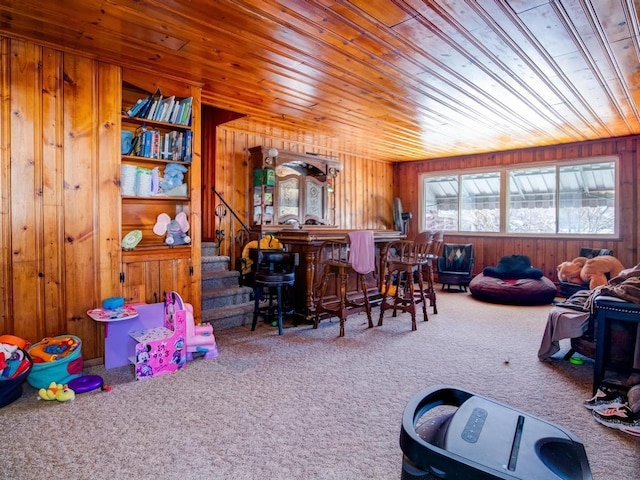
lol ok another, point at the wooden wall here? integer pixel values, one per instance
(547, 252)
(59, 214)
(364, 188)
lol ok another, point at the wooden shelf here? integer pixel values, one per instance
(137, 159)
(146, 121)
(135, 198)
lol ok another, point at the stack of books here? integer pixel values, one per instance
(158, 108)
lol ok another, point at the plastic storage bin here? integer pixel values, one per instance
(13, 377)
(55, 359)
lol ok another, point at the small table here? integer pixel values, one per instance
(607, 310)
(119, 346)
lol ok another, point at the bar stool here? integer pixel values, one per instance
(431, 242)
(404, 262)
(336, 258)
(275, 270)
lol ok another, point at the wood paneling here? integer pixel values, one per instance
(60, 189)
(391, 80)
(545, 253)
(364, 188)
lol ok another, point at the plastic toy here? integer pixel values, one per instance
(55, 359)
(162, 350)
(56, 391)
(200, 338)
(51, 349)
(175, 230)
(86, 383)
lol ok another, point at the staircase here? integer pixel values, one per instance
(225, 304)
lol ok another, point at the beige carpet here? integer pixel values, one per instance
(307, 405)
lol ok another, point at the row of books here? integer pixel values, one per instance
(158, 108)
(175, 145)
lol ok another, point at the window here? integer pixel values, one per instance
(572, 198)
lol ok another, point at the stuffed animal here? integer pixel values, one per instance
(595, 270)
(173, 176)
(175, 230)
(56, 391)
(570, 271)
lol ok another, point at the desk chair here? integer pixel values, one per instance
(275, 270)
(335, 262)
(404, 260)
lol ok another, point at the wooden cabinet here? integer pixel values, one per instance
(147, 280)
(160, 174)
(292, 188)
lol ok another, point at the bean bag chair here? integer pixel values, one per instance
(521, 291)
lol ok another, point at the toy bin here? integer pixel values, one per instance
(55, 359)
(13, 376)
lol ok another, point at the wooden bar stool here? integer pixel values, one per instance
(432, 242)
(403, 266)
(335, 260)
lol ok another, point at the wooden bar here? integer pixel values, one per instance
(306, 242)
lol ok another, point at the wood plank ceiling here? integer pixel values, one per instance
(396, 80)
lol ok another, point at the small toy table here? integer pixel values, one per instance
(119, 346)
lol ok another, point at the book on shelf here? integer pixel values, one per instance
(188, 146)
(166, 108)
(156, 99)
(174, 112)
(185, 113)
(138, 107)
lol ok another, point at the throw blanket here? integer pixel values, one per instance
(625, 286)
(362, 252)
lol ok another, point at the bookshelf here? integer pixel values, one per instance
(159, 174)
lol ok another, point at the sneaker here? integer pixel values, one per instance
(604, 398)
(621, 418)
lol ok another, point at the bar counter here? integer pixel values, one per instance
(306, 241)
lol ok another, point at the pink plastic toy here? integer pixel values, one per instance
(161, 350)
(200, 338)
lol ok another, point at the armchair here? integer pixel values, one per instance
(455, 266)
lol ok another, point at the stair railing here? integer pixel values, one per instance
(226, 224)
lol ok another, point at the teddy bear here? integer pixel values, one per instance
(570, 271)
(598, 270)
(594, 271)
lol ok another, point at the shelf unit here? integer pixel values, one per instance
(292, 188)
(153, 268)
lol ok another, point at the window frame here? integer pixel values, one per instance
(503, 171)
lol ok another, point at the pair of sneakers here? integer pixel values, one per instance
(611, 409)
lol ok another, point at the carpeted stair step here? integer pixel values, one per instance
(220, 279)
(215, 263)
(209, 249)
(223, 297)
(229, 316)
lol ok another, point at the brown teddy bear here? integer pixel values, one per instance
(595, 269)
(570, 271)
